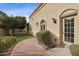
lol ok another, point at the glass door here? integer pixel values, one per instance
(69, 29)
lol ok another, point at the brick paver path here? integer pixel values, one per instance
(29, 47)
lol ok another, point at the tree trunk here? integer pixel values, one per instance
(12, 32)
(28, 28)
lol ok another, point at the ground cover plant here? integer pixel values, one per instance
(74, 48)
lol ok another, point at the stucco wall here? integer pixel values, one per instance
(53, 10)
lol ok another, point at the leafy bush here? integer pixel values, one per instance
(74, 48)
(45, 37)
(6, 42)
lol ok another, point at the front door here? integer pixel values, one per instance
(69, 29)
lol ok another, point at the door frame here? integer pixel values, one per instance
(61, 43)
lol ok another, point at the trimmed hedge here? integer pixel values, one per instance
(45, 37)
(6, 42)
(74, 48)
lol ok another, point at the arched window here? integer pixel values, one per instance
(43, 25)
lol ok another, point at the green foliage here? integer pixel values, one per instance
(45, 37)
(3, 17)
(9, 23)
(74, 48)
(12, 23)
(2, 13)
(21, 22)
(6, 42)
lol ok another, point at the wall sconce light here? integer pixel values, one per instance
(37, 23)
(54, 20)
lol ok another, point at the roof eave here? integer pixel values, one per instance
(37, 9)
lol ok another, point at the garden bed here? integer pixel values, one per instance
(7, 43)
(74, 48)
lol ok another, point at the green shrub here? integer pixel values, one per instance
(6, 42)
(74, 48)
(45, 37)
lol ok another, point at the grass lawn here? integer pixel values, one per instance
(22, 37)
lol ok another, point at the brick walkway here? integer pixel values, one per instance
(29, 47)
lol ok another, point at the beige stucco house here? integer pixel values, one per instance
(62, 19)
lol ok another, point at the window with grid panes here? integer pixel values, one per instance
(69, 30)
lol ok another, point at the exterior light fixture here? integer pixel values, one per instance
(37, 23)
(54, 20)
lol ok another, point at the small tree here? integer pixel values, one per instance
(12, 23)
(28, 28)
(3, 19)
(21, 22)
(17, 22)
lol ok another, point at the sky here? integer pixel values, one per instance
(18, 9)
